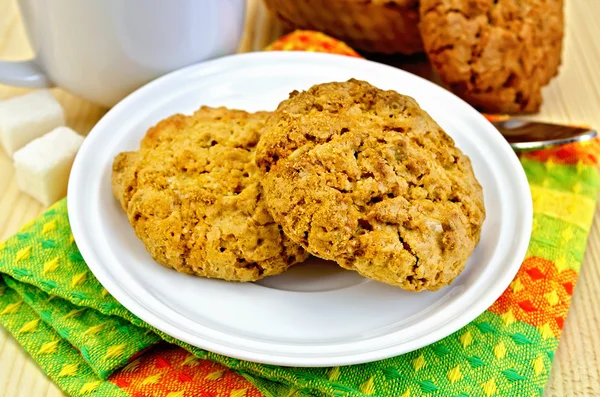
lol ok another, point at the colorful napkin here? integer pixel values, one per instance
(90, 345)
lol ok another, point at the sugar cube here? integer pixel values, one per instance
(27, 117)
(42, 166)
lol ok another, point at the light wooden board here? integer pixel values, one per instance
(573, 97)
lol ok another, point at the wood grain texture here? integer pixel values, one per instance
(572, 97)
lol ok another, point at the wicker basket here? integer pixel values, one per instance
(376, 26)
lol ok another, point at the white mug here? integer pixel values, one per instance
(103, 50)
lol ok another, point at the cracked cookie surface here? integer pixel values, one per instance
(365, 177)
(193, 196)
(495, 54)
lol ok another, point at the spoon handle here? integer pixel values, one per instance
(533, 135)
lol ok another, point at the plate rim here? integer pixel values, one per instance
(131, 303)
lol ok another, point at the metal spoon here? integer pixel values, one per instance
(525, 135)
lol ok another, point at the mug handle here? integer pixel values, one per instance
(23, 73)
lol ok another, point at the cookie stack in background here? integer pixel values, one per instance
(344, 171)
(495, 54)
(388, 26)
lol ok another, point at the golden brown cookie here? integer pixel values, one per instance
(495, 54)
(365, 177)
(193, 196)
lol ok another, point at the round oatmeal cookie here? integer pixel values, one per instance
(365, 177)
(496, 54)
(193, 196)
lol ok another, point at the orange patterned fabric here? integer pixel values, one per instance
(583, 152)
(539, 295)
(301, 40)
(169, 371)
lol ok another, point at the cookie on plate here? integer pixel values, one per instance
(495, 54)
(365, 177)
(192, 194)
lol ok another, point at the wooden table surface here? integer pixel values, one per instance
(572, 97)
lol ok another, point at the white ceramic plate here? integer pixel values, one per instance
(315, 314)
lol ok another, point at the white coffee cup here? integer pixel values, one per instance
(102, 50)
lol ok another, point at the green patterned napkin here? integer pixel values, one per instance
(80, 334)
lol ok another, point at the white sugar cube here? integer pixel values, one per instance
(27, 117)
(42, 167)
